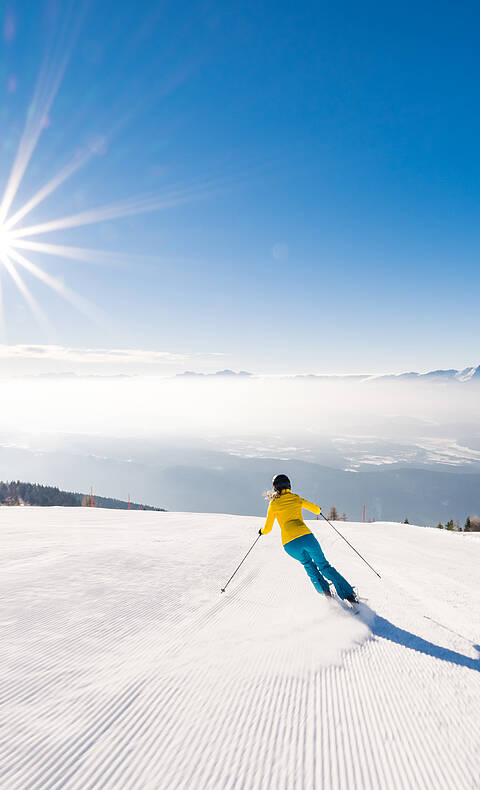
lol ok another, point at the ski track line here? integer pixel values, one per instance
(274, 729)
(249, 722)
(45, 753)
(172, 721)
(167, 712)
(197, 758)
(99, 721)
(108, 647)
(399, 698)
(197, 767)
(42, 774)
(362, 705)
(145, 647)
(226, 722)
(276, 725)
(188, 702)
(229, 712)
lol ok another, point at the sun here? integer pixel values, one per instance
(19, 242)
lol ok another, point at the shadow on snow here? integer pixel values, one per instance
(387, 630)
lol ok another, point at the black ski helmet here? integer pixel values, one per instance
(280, 482)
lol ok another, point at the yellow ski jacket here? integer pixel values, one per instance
(287, 509)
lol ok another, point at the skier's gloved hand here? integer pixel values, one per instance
(260, 532)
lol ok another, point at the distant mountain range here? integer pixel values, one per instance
(220, 373)
(471, 374)
(450, 375)
(462, 376)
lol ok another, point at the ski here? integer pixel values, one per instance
(348, 606)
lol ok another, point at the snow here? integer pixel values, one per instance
(123, 666)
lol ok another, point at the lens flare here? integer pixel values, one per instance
(16, 236)
(5, 242)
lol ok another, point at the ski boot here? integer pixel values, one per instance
(353, 599)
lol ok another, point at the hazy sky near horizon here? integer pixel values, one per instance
(311, 174)
(212, 409)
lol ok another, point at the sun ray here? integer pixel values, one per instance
(14, 236)
(31, 301)
(82, 305)
(100, 257)
(3, 331)
(125, 208)
(48, 82)
(78, 161)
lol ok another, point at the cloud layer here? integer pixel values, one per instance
(102, 355)
(26, 359)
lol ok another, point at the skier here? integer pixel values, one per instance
(299, 542)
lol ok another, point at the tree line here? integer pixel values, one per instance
(19, 493)
(472, 524)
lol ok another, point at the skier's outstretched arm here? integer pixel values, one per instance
(311, 506)
(269, 521)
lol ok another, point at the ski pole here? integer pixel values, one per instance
(352, 547)
(236, 569)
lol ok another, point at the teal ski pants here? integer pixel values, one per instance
(307, 550)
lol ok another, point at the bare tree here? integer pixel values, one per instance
(472, 524)
(333, 513)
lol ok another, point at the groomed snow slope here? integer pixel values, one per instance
(124, 667)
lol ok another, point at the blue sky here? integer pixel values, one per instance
(327, 160)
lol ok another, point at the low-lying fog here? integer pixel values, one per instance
(197, 408)
(184, 442)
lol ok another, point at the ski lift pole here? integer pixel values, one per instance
(236, 569)
(352, 547)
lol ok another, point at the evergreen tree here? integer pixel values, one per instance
(468, 525)
(18, 493)
(439, 525)
(449, 524)
(406, 521)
